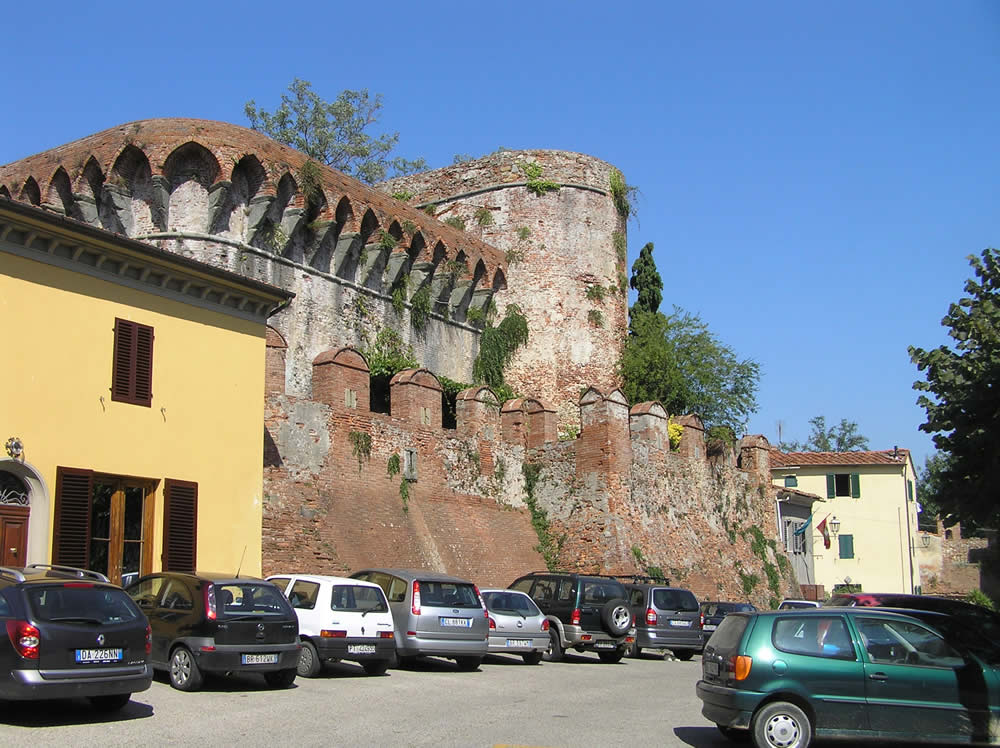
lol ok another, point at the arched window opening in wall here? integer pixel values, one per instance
(30, 191)
(60, 192)
(132, 174)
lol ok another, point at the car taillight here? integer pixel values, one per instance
(415, 607)
(650, 616)
(740, 665)
(210, 612)
(545, 625)
(701, 620)
(575, 617)
(386, 635)
(149, 639)
(25, 639)
(493, 624)
(332, 634)
(482, 604)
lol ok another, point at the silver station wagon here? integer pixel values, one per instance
(434, 614)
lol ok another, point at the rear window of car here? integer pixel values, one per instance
(81, 603)
(598, 593)
(727, 636)
(448, 594)
(815, 636)
(358, 598)
(247, 598)
(681, 600)
(510, 602)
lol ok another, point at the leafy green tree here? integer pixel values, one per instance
(677, 360)
(843, 437)
(646, 282)
(929, 490)
(334, 132)
(963, 398)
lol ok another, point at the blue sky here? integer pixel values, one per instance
(813, 175)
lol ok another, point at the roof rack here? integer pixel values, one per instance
(81, 573)
(8, 571)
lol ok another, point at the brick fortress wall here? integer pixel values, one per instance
(617, 498)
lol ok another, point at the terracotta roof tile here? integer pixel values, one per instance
(882, 457)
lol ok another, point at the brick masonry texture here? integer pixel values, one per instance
(952, 566)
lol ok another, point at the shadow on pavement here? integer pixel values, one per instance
(68, 712)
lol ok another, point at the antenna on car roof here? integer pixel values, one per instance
(241, 562)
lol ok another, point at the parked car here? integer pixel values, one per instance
(791, 604)
(517, 626)
(784, 677)
(434, 614)
(665, 617)
(585, 612)
(72, 634)
(976, 616)
(339, 619)
(205, 623)
(713, 612)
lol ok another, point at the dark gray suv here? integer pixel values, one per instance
(71, 634)
(585, 612)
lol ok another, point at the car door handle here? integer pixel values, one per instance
(878, 676)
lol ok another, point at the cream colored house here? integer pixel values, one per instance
(868, 520)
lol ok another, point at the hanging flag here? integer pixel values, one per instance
(826, 533)
(801, 530)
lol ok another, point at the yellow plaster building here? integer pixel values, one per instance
(132, 404)
(870, 516)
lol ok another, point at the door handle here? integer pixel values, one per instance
(878, 676)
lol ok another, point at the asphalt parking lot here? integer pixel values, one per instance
(579, 702)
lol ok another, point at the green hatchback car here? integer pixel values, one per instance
(781, 678)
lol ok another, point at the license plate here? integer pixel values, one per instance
(711, 668)
(710, 627)
(98, 655)
(605, 645)
(680, 624)
(518, 642)
(361, 649)
(462, 623)
(259, 659)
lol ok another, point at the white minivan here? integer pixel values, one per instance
(339, 619)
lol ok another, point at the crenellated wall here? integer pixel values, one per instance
(616, 499)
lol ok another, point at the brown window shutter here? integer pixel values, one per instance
(71, 537)
(180, 525)
(132, 369)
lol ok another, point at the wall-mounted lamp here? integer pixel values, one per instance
(835, 525)
(15, 448)
(925, 540)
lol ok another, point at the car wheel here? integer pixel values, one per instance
(531, 658)
(376, 667)
(735, 734)
(184, 672)
(468, 663)
(683, 654)
(309, 662)
(611, 657)
(555, 651)
(781, 725)
(280, 678)
(110, 703)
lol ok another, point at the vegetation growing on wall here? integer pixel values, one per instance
(497, 346)
(622, 194)
(310, 182)
(402, 195)
(618, 240)
(595, 293)
(420, 308)
(534, 182)
(549, 545)
(456, 222)
(675, 432)
(595, 318)
(361, 446)
(648, 569)
(483, 216)
(386, 240)
(449, 398)
(386, 356)
(392, 466)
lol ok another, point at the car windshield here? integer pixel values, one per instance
(721, 609)
(358, 598)
(81, 603)
(510, 602)
(448, 594)
(238, 599)
(675, 600)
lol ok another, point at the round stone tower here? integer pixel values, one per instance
(554, 214)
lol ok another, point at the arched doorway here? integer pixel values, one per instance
(15, 510)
